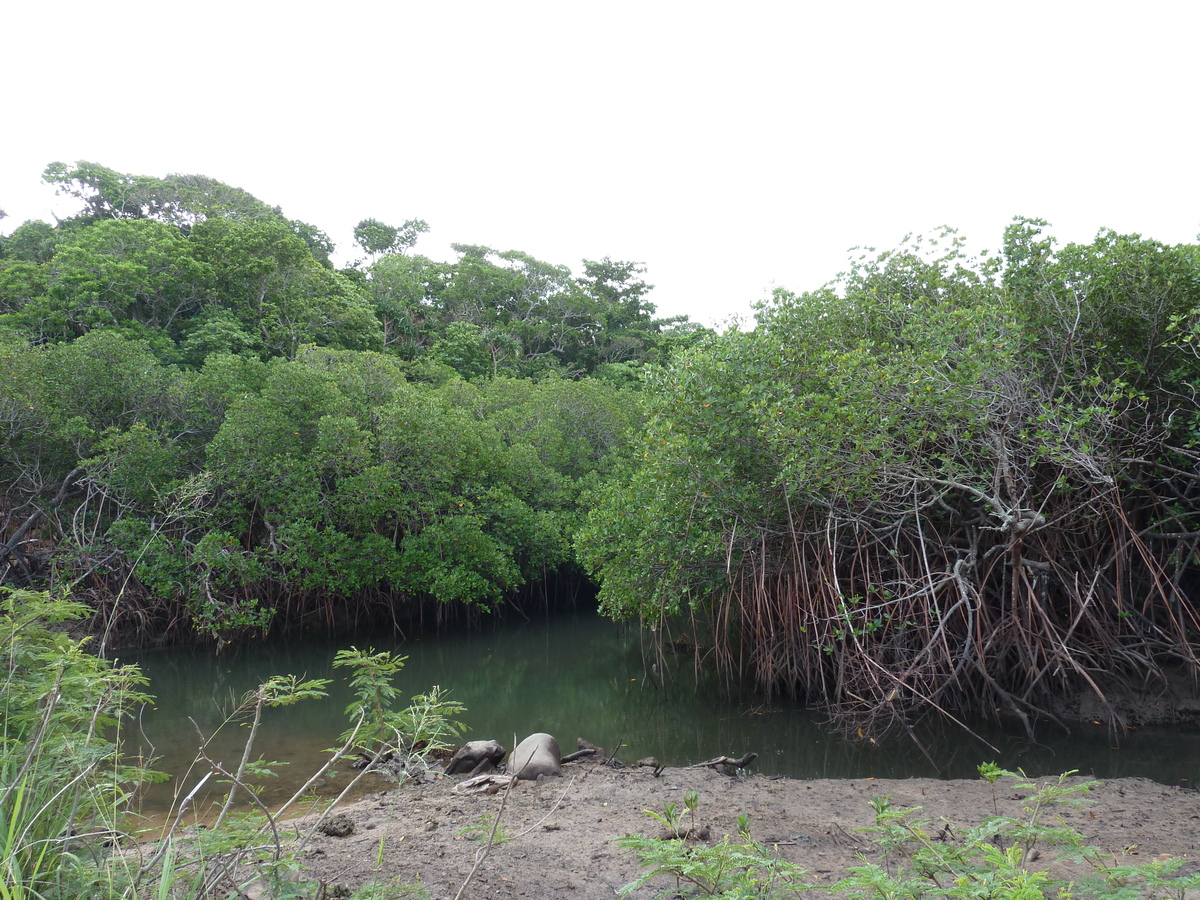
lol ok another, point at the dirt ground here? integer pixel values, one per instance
(561, 829)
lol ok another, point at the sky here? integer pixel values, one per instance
(731, 148)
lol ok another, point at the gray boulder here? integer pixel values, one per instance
(536, 755)
(475, 757)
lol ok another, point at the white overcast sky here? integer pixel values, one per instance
(729, 147)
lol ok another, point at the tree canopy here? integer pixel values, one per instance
(938, 483)
(202, 411)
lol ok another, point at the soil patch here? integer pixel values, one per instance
(1170, 701)
(560, 830)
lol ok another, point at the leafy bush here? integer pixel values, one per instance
(67, 793)
(993, 859)
(736, 870)
(426, 726)
(64, 786)
(941, 483)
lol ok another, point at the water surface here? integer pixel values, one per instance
(580, 675)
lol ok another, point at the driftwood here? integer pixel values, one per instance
(605, 758)
(649, 762)
(586, 749)
(578, 754)
(588, 745)
(490, 783)
(726, 765)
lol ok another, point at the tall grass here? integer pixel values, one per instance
(64, 788)
(67, 795)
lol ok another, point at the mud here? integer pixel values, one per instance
(559, 832)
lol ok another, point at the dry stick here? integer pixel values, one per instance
(36, 743)
(325, 768)
(237, 782)
(246, 751)
(271, 820)
(740, 763)
(144, 756)
(165, 842)
(23, 838)
(928, 571)
(578, 754)
(338, 799)
(1159, 576)
(15, 541)
(1067, 635)
(928, 699)
(87, 740)
(557, 803)
(482, 853)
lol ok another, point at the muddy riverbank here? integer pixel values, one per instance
(561, 831)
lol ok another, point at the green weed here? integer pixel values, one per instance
(727, 869)
(923, 859)
(482, 827)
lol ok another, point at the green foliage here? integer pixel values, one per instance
(177, 199)
(993, 859)
(889, 489)
(462, 347)
(506, 313)
(672, 819)
(266, 276)
(207, 416)
(33, 241)
(743, 869)
(64, 785)
(375, 237)
(485, 828)
(66, 788)
(920, 858)
(427, 725)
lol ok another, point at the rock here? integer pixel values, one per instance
(537, 755)
(337, 826)
(475, 757)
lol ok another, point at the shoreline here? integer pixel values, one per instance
(561, 830)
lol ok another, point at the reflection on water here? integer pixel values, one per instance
(579, 675)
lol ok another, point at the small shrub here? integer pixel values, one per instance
(426, 726)
(992, 859)
(64, 786)
(481, 829)
(733, 870)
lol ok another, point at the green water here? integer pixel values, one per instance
(579, 675)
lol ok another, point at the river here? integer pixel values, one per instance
(578, 674)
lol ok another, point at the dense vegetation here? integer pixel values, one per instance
(942, 482)
(204, 418)
(69, 793)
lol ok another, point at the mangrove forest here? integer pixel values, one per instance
(943, 482)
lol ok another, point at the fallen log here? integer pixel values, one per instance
(726, 765)
(649, 762)
(578, 754)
